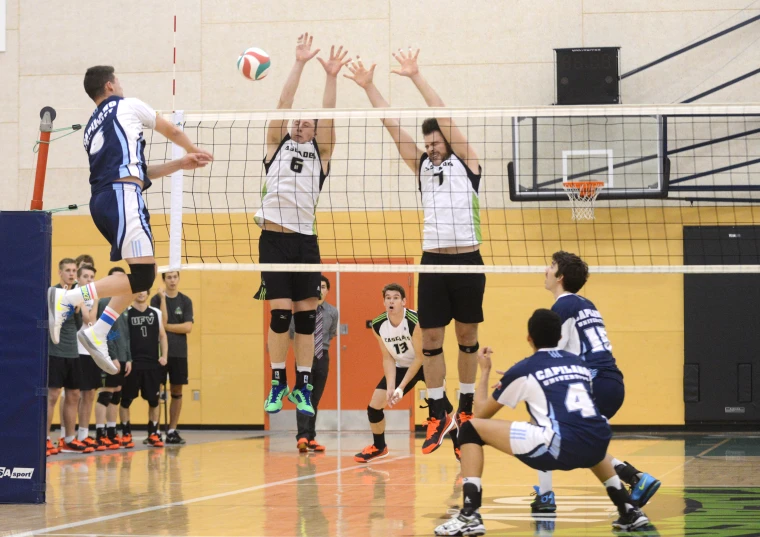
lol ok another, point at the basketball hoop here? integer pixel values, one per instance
(582, 195)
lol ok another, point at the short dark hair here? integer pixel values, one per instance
(87, 258)
(163, 274)
(429, 126)
(394, 287)
(95, 80)
(324, 279)
(116, 269)
(86, 267)
(66, 261)
(573, 269)
(545, 328)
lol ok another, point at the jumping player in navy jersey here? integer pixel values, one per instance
(119, 173)
(567, 431)
(584, 335)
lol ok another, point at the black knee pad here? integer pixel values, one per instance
(104, 398)
(176, 396)
(153, 403)
(375, 415)
(469, 435)
(125, 403)
(432, 352)
(305, 321)
(142, 276)
(116, 398)
(469, 349)
(280, 322)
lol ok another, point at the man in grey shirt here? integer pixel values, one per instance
(326, 329)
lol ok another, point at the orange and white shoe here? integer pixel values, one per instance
(126, 441)
(155, 440)
(303, 445)
(50, 448)
(90, 442)
(316, 446)
(371, 453)
(436, 432)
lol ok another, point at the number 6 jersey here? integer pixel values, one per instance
(397, 339)
(292, 186)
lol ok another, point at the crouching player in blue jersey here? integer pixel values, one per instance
(567, 430)
(585, 335)
(119, 173)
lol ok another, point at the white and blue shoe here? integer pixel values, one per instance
(462, 524)
(644, 489)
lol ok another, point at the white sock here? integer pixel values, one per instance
(616, 462)
(171, 431)
(82, 433)
(614, 482)
(544, 482)
(278, 365)
(104, 324)
(100, 426)
(81, 294)
(303, 369)
(155, 424)
(63, 431)
(466, 388)
(110, 424)
(474, 480)
(435, 393)
(68, 439)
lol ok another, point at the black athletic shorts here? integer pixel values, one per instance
(64, 373)
(114, 381)
(177, 369)
(275, 247)
(442, 297)
(146, 382)
(92, 375)
(400, 372)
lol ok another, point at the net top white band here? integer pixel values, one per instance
(464, 269)
(543, 111)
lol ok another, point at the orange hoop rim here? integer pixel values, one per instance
(593, 185)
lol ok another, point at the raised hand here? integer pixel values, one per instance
(408, 62)
(359, 74)
(336, 62)
(303, 49)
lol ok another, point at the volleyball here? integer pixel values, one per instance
(253, 64)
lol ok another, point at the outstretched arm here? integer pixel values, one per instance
(279, 128)
(406, 145)
(325, 129)
(408, 67)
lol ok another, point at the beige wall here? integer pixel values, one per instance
(493, 53)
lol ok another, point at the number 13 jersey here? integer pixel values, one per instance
(583, 332)
(292, 186)
(397, 339)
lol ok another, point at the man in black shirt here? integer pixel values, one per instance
(146, 333)
(177, 314)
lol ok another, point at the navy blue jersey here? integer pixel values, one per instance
(583, 332)
(556, 388)
(114, 141)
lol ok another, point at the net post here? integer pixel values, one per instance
(338, 383)
(47, 116)
(178, 180)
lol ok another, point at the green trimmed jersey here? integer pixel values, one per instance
(398, 339)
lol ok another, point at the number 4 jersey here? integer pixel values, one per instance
(292, 186)
(583, 332)
(556, 388)
(397, 339)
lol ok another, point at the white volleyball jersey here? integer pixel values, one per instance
(397, 339)
(292, 186)
(450, 203)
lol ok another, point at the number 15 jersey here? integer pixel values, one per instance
(397, 339)
(292, 186)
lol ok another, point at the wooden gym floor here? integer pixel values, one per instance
(256, 484)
